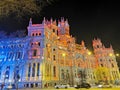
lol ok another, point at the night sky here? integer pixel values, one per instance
(88, 20)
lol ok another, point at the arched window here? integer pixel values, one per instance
(36, 34)
(38, 43)
(39, 34)
(32, 34)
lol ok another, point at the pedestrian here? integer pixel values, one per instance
(2, 85)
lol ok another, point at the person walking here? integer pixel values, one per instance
(2, 85)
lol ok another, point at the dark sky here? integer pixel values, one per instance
(88, 20)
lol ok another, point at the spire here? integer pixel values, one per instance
(66, 22)
(110, 46)
(82, 43)
(44, 21)
(59, 23)
(30, 22)
(54, 22)
(51, 20)
(62, 19)
(103, 46)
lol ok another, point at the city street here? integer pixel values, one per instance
(73, 89)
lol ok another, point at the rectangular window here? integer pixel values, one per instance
(54, 71)
(35, 52)
(29, 67)
(0, 72)
(54, 57)
(10, 55)
(101, 65)
(38, 69)
(19, 55)
(33, 70)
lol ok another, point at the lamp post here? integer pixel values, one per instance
(73, 68)
(3, 82)
(3, 79)
(42, 72)
(64, 55)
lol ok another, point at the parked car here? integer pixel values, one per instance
(62, 86)
(83, 85)
(105, 86)
(10, 86)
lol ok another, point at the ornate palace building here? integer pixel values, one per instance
(49, 55)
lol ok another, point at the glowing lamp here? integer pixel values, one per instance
(117, 54)
(63, 54)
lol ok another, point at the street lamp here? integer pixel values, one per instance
(89, 53)
(63, 54)
(42, 72)
(110, 54)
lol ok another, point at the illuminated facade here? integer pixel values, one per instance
(48, 55)
(106, 60)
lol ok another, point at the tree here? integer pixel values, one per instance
(15, 13)
(3, 34)
(102, 74)
(20, 8)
